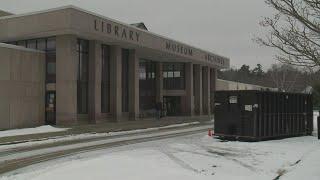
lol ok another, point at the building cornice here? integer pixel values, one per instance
(208, 56)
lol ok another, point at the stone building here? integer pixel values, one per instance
(98, 69)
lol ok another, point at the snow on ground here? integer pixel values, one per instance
(55, 139)
(83, 136)
(48, 129)
(25, 131)
(308, 168)
(315, 116)
(40, 152)
(189, 157)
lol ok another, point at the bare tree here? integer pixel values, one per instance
(284, 77)
(295, 31)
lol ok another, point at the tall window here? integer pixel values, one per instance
(147, 84)
(49, 46)
(125, 80)
(174, 76)
(105, 79)
(32, 44)
(83, 75)
(203, 74)
(194, 80)
(212, 88)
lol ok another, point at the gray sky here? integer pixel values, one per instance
(226, 27)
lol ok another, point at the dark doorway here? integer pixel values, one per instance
(51, 108)
(172, 104)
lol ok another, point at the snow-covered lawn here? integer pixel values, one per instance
(84, 136)
(188, 158)
(308, 168)
(26, 131)
(315, 116)
(48, 129)
(191, 157)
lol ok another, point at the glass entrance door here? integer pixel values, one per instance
(51, 107)
(172, 105)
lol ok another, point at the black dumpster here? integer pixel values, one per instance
(252, 115)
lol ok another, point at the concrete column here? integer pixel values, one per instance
(95, 69)
(213, 82)
(198, 89)
(189, 89)
(115, 82)
(206, 90)
(133, 85)
(66, 79)
(159, 82)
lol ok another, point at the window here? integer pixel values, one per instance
(142, 72)
(32, 44)
(51, 68)
(204, 89)
(147, 70)
(22, 43)
(51, 44)
(173, 76)
(41, 44)
(83, 76)
(194, 80)
(125, 80)
(147, 84)
(105, 79)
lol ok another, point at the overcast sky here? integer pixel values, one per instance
(226, 27)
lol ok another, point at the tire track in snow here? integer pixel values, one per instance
(179, 161)
(225, 155)
(281, 172)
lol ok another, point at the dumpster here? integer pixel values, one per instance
(252, 115)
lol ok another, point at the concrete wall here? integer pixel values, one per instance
(22, 88)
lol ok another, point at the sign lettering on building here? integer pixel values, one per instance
(214, 59)
(178, 48)
(130, 34)
(115, 30)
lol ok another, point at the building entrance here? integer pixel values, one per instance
(51, 107)
(172, 105)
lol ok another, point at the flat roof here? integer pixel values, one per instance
(148, 39)
(236, 82)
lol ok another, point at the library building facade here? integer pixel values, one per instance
(68, 65)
